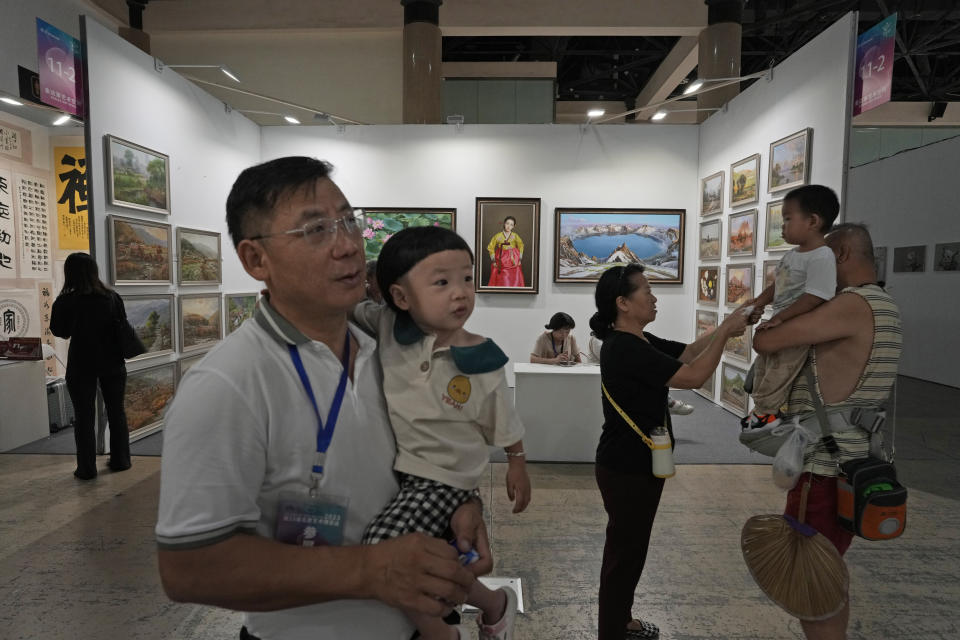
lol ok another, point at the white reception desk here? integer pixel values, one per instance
(560, 408)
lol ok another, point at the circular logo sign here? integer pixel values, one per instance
(14, 320)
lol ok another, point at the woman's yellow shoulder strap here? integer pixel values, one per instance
(626, 418)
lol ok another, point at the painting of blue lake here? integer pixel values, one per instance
(603, 245)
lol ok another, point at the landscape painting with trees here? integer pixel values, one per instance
(200, 326)
(152, 319)
(148, 393)
(139, 178)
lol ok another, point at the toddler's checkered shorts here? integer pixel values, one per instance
(420, 505)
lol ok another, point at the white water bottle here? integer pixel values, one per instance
(662, 453)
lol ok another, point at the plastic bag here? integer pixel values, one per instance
(788, 464)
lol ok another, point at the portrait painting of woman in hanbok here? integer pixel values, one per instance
(506, 253)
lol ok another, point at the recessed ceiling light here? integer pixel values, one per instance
(596, 113)
(15, 103)
(693, 86)
(291, 119)
(659, 115)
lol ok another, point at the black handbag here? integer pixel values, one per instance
(130, 343)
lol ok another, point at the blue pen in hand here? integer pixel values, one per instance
(465, 557)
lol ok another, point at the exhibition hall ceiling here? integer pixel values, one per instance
(619, 52)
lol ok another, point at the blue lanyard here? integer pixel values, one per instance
(324, 433)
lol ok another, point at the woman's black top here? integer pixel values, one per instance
(635, 372)
(91, 322)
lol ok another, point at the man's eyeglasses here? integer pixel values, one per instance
(323, 230)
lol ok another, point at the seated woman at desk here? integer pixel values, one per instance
(556, 345)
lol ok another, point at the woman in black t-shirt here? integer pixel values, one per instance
(88, 313)
(637, 368)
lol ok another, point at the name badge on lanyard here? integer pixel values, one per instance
(315, 519)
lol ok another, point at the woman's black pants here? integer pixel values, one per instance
(631, 503)
(83, 394)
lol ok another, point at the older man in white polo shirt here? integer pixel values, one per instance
(278, 450)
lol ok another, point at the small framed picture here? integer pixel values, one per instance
(946, 257)
(773, 238)
(706, 321)
(139, 251)
(708, 388)
(198, 254)
(590, 241)
(740, 347)
(910, 259)
(880, 263)
(200, 326)
(151, 317)
(745, 181)
(790, 161)
(710, 239)
(137, 177)
(739, 284)
(507, 245)
(769, 273)
(708, 285)
(237, 309)
(711, 194)
(383, 222)
(732, 394)
(741, 234)
(149, 391)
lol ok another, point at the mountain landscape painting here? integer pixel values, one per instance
(199, 254)
(590, 241)
(152, 319)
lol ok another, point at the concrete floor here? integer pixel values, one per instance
(78, 559)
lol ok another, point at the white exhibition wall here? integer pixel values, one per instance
(907, 200)
(207, 147)
(811, 88)
(614, 166)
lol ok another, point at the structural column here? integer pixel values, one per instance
(719, 52)
(422, 55)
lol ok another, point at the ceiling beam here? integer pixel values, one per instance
(675, 67)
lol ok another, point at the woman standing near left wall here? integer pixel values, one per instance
(89, 313)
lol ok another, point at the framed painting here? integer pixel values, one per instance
(773, 236)
(740, 347)
(237, 309)
(707, 390)
(137, 177)
(705, 321)
(710, 239)
(200, 326)
(744, 181)
(739, 284)
(507, 245)
(880, 263)
(184, 364)
(383, 222)
(769, 273)
(139, 251)
(151, 317)
(789, 161)
(732, 395)
(711, 194)
(199, 256)
(910, 259)
(707, 285)
(590, 241)
(148, 393)
(946, 256)
(742, 233)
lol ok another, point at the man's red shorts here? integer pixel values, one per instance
(821, 509)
